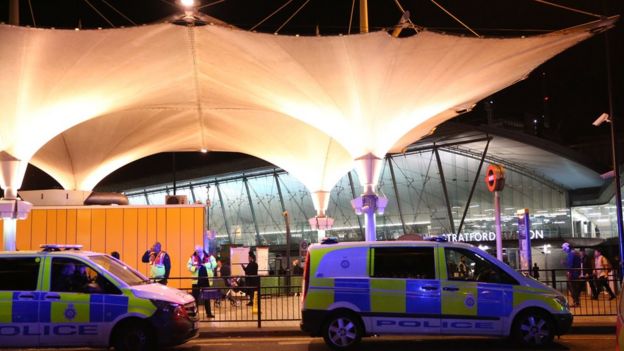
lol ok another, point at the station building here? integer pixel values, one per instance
(430, 192)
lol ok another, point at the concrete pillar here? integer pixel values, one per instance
(369, 170)
(12, 172)
(321, 222)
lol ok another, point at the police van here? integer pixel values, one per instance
(62, 296)
(352, 290)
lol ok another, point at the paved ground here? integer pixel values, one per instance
(581, 325)
(571, 342)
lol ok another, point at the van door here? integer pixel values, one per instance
(405, 294)
(19, 301)
(83, 305)
(476, 294)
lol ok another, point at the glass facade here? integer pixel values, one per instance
(247, 209)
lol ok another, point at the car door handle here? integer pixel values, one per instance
(429, 287)
(450, 288)
(53, 297)
(26, 296)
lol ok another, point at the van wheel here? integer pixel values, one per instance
(533, 328)
(342, 331)
(132, 336)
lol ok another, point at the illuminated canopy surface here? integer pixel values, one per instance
(80, 104)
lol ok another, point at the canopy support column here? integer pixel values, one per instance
(11, 207)
(321, 222)
(369, 169)
(363, 16)
(353, 194)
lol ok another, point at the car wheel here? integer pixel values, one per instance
(342, 331)
(534, 328)
(133, 337)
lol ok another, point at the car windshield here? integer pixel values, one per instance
(120, 270)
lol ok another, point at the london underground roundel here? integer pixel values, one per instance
(495, 178)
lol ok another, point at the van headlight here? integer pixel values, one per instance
(164, 306)
(561, 300)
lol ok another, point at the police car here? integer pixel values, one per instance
(62, 296)
(351, 290)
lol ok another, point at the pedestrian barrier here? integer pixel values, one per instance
(593, 299)
(278, 297)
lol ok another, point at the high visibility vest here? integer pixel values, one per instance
(157, 268)
(209, 262)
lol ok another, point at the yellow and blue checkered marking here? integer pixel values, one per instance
(423, 303)
(25, 307)
(32, 307)
(494, 300)
(423, 297)
(355, 291)
(106, 308)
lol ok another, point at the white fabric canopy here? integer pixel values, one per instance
(80, 104)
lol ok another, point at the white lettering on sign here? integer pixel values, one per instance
(485, 236)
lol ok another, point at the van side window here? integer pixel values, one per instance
(462, 264)
(19, 273)
(69, 275)
(404, 262)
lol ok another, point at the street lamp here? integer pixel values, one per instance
(616, 173)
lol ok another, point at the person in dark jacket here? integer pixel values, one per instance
(251, 277)
(573, 264)
(297, 269)
(536, 270)
(587, 272)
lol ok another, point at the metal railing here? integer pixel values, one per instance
(593, 297)
(278, 297)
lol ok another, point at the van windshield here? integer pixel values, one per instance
(120, 270)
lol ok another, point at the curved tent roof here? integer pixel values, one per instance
(80, 104)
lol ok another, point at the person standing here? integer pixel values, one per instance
(602, 267)
(536, 270)
(251, 277)
(297, 269)
(160, 264)
(587, 274)
(573, 264)
(201, 265)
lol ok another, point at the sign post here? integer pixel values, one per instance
(495, 180)
(524, 239)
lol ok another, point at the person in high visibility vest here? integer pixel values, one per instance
(160, 264)
(201, 265)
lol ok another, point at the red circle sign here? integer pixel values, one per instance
(495, 178)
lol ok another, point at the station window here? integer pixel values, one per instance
(19, 273)
(404, 262)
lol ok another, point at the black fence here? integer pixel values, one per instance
(588, 293)
(278, 298)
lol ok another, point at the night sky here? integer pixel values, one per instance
(565, 94)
